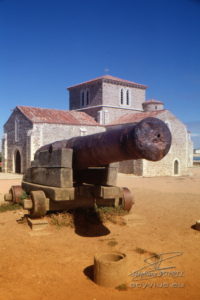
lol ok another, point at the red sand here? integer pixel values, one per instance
(50, 264)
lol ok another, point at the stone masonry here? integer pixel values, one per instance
(107, 98)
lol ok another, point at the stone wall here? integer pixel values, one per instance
(179, 151)
(16, 140)
(190, 151)
(176, 162)
(114, 113)
(95, 95)
(152, 106)
(112, 96)
(109, 114)
(47, 133)
(92, 111)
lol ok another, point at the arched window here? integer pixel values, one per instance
(17, 162)
(127, 97)
(122, 96)
(82, 98)
(16, 130)
(87, 97)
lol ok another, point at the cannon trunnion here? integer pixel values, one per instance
(82, 171)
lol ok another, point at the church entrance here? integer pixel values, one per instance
(17, 162)
(176, 167)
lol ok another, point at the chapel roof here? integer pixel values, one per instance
(55, 116)
(135, 117)
(111, 79)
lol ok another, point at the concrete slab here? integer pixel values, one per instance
(37, 224)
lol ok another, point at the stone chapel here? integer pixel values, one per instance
(94, 106)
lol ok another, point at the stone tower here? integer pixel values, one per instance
(152, 105)
(107, 98)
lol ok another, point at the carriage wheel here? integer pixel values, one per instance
(127, 200)
(15, 194)
(39, 204)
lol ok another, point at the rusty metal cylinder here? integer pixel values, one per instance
(149, 139)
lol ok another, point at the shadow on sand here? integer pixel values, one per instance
(89, 272)
(87, 223)
(194, 227)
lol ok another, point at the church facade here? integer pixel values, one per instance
(95, 106)
(29, 128)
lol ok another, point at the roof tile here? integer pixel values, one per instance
(135, 117)
(54, 116)
(110, 78)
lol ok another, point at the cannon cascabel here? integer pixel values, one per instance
(148, 139)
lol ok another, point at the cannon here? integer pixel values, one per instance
(82, 171)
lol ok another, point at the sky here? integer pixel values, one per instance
(46, 46)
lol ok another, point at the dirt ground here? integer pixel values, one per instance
(55, 263)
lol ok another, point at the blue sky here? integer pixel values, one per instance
(46, 46)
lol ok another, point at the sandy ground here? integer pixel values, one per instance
(53, 263)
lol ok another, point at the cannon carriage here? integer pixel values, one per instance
(82, 171)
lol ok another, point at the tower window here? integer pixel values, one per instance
(82, 98)
(122, 97)
(87, 97)
(127, 97)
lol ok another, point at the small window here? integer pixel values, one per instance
(87, 97)
(83, 131)
(156, 107)
(176, 167)
(82, 98)
(127, 97)
(122, 96)
(16, 130)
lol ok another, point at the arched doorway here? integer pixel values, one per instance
(17, 162)
(176, 167)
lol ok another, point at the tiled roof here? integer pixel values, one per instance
(54, 116)
(153, 101)
(111, 79)
(136, 117)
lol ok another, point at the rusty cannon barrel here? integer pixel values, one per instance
(149, 139)
(79, 172)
